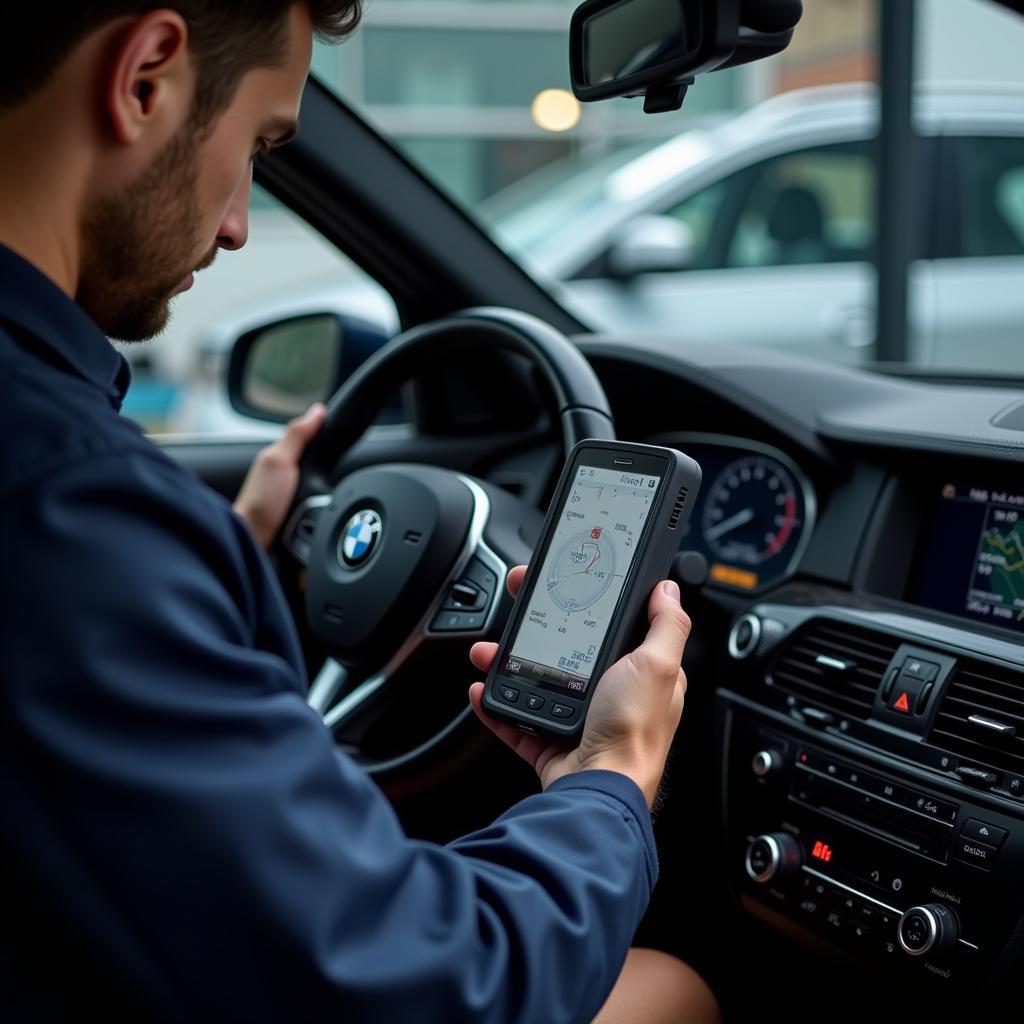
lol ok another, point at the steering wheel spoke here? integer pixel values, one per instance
(465, 608)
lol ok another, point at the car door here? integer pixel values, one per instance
(782, 259)
(980, 304)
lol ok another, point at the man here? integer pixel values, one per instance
(179, 837)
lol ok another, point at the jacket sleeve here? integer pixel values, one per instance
(171, 789)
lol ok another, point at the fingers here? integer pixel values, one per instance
(514, 581)
(482, 655)
(670, 629)
(531, 749)
(301, 431)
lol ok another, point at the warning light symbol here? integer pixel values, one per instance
(903, 704)
(595, 533)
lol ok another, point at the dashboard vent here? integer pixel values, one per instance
(834, 665)
(993, 696)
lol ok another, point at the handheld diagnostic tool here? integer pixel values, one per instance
(610, 534)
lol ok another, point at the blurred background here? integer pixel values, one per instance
(747, 217)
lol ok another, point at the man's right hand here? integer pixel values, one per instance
(635, 710)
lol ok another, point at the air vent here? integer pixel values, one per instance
(677, 508)
(834, 665)
(981, 717)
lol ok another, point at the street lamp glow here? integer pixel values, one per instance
(555, 110)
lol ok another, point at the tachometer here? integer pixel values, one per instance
(753, 513)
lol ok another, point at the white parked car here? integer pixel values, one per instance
(759, 231)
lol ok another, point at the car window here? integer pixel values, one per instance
(992, 207)
(702, 213)
(812, 206)
(284, 271)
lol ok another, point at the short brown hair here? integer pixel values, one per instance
(227, 38)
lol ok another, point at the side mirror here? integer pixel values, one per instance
(654, 48)
(278, 370)
(652, 245)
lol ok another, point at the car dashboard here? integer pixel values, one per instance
(858, 681)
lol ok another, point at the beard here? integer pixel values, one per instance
(139, 245)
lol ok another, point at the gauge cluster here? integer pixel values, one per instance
(754, 514)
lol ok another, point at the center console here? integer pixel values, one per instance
(873, 785)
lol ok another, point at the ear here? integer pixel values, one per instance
(151, 82)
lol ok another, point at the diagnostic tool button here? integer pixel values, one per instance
(561, 711)
(533, 702)
(508, 694)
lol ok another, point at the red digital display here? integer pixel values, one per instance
(822, 851)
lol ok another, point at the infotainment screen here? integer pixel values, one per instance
(971, 559)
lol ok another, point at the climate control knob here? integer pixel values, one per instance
(773, 857)
(930, 929)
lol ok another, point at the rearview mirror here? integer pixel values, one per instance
(278, 370)
(654, 48)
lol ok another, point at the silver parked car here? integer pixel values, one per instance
(759, 231)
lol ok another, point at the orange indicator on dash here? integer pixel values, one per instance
(734, 577)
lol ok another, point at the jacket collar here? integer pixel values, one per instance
(62, 332)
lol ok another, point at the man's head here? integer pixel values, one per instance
(155, 111)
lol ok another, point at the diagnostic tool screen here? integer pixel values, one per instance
(576, 592)
(972, 560)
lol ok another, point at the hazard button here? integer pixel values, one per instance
(904, 696)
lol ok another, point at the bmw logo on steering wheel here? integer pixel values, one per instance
(359, 539)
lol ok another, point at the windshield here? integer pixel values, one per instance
(748, 217)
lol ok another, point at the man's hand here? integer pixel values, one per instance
(269, 487)
(635, 710)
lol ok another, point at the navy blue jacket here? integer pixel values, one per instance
(179, 837)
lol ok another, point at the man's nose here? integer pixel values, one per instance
(233, 232)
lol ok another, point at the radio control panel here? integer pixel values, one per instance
(901, 874)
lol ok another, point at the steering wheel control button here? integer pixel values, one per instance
(562, 711)
(465, 596)
(450, 622)
(983, 832)
(533, 702)
(479, 574)
(972, 852)
(744, 636)
(359, 538)
(509, 694)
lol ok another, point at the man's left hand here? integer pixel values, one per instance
(269, 487)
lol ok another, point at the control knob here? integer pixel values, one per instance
(929, 929)
(765, 762)
(773, 857)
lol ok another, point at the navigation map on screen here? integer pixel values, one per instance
(972, 562)
(578, 587)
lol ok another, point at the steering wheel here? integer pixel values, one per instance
(402, 559)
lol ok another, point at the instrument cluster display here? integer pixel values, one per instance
(754, 514)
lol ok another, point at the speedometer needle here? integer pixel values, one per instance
(740, 519)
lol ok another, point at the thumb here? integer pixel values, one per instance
(302, 430)
(670, 625)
